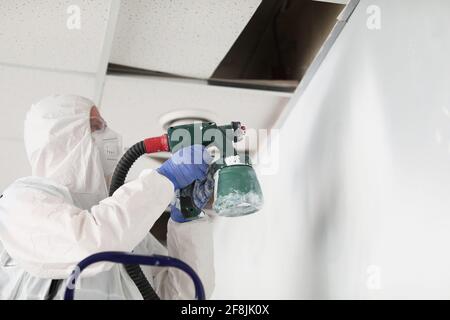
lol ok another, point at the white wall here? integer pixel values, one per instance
(360, 207)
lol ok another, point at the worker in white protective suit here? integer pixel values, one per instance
(62, 214)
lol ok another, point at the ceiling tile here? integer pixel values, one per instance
(181, 36)
(36, 33)
(134, 105)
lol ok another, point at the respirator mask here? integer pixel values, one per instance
(110, 147)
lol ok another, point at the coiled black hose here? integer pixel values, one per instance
(118, 179)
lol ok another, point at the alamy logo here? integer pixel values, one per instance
(374, 19)
(373, 281)
(74, 19)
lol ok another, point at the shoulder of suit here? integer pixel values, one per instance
(35, 185)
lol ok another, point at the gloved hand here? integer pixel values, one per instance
(203, 190)
(177, 216)
(186, 166)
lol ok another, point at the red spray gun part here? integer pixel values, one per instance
(157, 144)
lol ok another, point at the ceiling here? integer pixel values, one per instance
(40, 55)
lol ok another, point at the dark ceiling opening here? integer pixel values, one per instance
(280, 41)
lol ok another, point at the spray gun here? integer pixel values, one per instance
(236, 188)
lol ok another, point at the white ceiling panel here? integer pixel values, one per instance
(181, 36)
(135, 105)
(45, 33)
(20, 87)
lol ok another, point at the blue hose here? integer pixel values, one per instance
(132, 259)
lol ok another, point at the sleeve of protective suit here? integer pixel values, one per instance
(48, 236)
(191, 242)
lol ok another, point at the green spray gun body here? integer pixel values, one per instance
(236, 188)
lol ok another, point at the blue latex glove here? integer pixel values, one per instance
(186, 166)
(177, 216)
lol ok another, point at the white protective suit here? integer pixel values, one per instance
(54, 219)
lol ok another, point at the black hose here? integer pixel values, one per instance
(53, 290)
(118, 179)
(124, 166)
